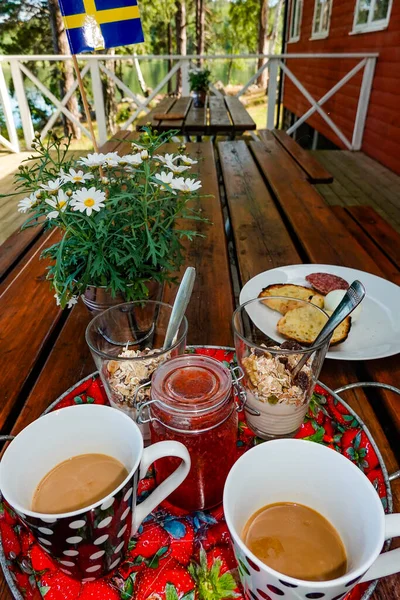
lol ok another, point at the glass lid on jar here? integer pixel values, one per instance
(191, 383)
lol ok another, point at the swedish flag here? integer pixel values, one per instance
(99, 24)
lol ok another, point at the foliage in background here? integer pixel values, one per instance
(199, 80)
(118, 215)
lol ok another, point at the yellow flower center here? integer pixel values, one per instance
(89, 202)
(77, 178)
(62, 203)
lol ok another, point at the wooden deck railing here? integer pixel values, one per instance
(93, 66)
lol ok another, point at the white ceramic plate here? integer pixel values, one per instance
(376, 332)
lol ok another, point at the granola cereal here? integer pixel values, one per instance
(124, 377)
(270, 377)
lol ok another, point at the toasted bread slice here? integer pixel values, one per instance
(290, 291)
(304, 324)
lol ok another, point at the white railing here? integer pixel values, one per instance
(93, 66)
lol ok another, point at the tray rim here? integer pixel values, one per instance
(371, 588)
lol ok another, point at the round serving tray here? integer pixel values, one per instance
(163, 559)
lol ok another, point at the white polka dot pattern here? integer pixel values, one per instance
(115, 563)
(45, 530)
(71, 552)
(67, 563)
(93, 569)
(125, 513)
(100, 540)
(75, 539)
(43, 541)
(98, 554)
(77, 524)
(107, 503)
(89, 579)
(47, 519)
(66, 571)
(119, 548)
(122, 531)
(104, 523)
(128, 494)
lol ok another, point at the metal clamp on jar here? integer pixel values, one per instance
(192, 402)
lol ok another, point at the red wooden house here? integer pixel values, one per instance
(346, 26)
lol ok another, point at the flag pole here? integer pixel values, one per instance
(85, 102)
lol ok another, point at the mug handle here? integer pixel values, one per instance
(150, 454)
(387, 563)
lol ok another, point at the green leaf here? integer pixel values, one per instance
(43, 589)
(78, 400)
(89, 399)
(170, 592)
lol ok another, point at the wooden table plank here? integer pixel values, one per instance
(28, 316)
(196, 119)
(211, 306)
(16, 246)
(219, 116)
(180, 107)
(387, 238)
(241, 119)
(316, 173)
(321, 234)
(116, 141)
(261, 239)
(163, 106)
(387, 267)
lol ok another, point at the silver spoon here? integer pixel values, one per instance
(349, 302)
(180, 305)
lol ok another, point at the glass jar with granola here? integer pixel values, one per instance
(276, 401)
(126, 342)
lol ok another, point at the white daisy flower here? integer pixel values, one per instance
(165, 177)
(73, 300)
(76, 176)
(26, 203)
(185, 185)
(52, 186)
(166, 158)
(187, 161)
(175, 168)
(88, 200)
(133, 160)
(144, 155)
(112, 159)
(59, 205)
(95, 159)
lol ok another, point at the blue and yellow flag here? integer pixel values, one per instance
(99, 24)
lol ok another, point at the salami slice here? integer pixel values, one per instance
(324, 283)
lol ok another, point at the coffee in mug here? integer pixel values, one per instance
(78, 482)
(297, 541)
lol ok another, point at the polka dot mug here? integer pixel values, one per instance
(301, 471)
(90, 542)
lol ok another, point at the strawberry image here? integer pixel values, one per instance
(150, 541)
(310, 430)
(98, 590)
(216, 534)
(170, 581)
(40, 560)
(7, 513)
(57, 586)
(226, 557)
(10, 541)
(218, 512)
(145, 486)
(340, 413)
(181, 540)
(378, 481)
(206, 351)
(212, 575)
(357, 447)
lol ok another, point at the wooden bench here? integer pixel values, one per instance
(315, 172)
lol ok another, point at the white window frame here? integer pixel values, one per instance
(320, 35)
(370, 25)
(297, 15)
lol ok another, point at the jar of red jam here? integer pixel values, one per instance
(192, 402)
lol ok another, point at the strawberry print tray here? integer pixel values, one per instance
(176, 555)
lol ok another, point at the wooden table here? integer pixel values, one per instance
(224, 115)
(285, 222)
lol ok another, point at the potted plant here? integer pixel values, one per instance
(199, 83)
(117, 217)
